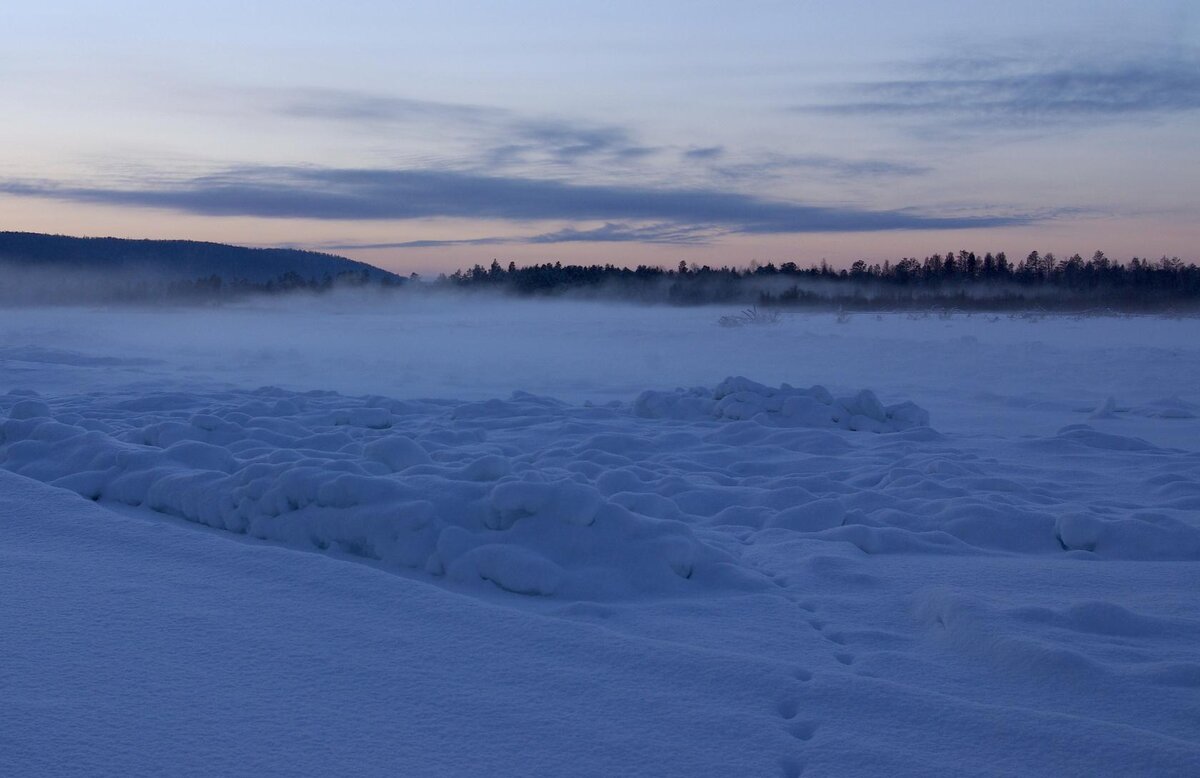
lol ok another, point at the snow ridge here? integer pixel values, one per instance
(742, 399)
(537, 497)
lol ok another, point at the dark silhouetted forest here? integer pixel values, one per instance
(49, 268)
(963, 280)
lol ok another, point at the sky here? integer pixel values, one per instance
(430, 136)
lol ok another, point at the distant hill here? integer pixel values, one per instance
(177, 259)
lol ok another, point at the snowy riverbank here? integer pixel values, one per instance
(977, 565)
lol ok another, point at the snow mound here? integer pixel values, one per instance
(1169, 408)
(1129, 537)
(534, 496)
(1062, 644)
(740, 399)
(329, 473)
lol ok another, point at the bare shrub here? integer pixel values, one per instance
(751, 315)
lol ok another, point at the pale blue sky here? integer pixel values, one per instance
(428, 136)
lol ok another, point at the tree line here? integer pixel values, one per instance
(960, 279)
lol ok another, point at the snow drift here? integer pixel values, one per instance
(539, 497)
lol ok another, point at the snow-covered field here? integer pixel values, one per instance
(472, 536)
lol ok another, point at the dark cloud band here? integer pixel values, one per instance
(376, 194)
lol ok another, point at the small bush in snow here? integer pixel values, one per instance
(751, 315)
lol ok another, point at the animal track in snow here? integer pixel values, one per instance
(835, 637)
(791, 767)
(803, 730)
(800, 729)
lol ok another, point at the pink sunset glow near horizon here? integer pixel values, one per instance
(426, 139)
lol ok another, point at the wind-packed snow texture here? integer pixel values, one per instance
(964, 545)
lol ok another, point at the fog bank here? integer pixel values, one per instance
(966, 369)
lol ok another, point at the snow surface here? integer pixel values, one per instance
(963, 545)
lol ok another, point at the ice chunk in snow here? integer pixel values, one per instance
(29, 409)
(566, 501)
(373, 418)
(397, 452)
(740, 399)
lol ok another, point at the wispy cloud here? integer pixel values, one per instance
(1026, 93)
(675, 234)
(776, 165)
(506, 137)
(704, 153)
(383, 194)
(672, 234)
(351, 106)
(566, 141)
(501, 141)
